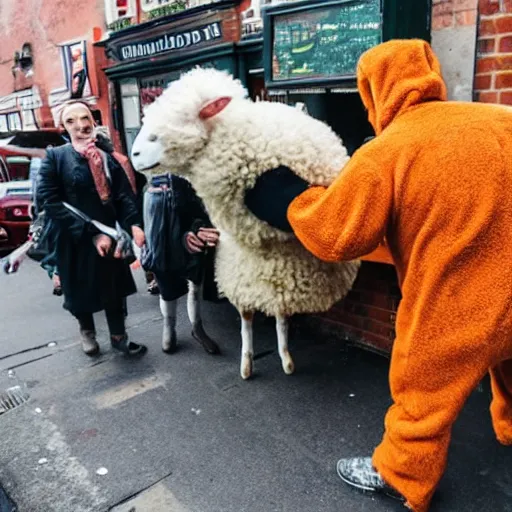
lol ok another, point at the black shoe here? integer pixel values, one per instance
(360, 473)
(153, 288)
(124, 345)
(204, 340)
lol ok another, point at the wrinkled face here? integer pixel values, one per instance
(78, 121)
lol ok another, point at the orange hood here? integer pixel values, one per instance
(398, 75)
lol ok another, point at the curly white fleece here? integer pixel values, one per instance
(258, 267)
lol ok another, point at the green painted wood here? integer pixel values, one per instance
(328, 58)
(406, 19)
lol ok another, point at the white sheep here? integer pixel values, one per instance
(204, 128)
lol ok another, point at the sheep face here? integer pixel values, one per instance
(175, 127)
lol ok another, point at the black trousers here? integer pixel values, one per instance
(115, 320)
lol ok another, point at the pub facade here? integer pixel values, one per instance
(291, 52)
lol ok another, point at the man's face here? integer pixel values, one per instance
(78, 122)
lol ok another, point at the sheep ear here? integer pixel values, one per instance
(214, 107)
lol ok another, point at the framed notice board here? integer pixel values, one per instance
(319, 42)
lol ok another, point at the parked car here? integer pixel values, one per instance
(16, 152)
(15, 203)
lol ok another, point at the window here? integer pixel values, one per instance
(18, 167)
(4, 127)
(116, 10)
(149, 5)
(14, 121)
(74, 57)
(130, 105)
(29, 120)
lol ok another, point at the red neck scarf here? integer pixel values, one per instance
(97, 167)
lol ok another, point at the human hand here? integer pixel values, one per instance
(138, 236)
(210, 236)
(193, 244)
(103, 244)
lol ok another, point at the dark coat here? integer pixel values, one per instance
(89, 282)
(170, 215)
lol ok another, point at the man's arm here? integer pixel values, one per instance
(349, 218)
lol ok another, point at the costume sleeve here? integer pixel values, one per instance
(50, 198)
(125, 202)
(271, 195)
(349, 218)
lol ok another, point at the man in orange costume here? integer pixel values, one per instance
(437, 183)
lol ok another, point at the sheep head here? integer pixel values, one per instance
(205, 129)
(175, 127)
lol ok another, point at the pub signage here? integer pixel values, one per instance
(171, 42)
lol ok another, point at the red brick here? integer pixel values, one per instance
(506, 97)
(505, 44)
(506, 6)
(465, 18)
(465, 5)
(355, 308)
(443, 8)
(504, 80)
(497, 63)
(442, 21)
(486, 64)
(486, 45)
(487, 28)
(482, 82)
(488, 97)
(487, 7)
(503, 24)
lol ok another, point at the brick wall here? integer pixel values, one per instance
(367, 314)
(493, 80)
(453, 13)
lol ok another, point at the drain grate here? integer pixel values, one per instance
(11, 398)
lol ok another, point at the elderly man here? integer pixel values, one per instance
(436, 182)
(93, 275)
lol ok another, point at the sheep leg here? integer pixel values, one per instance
(169, 339)
(247, 346)
(282, 344)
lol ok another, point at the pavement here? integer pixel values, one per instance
(184, 433)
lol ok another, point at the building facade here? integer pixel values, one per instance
(46, 57)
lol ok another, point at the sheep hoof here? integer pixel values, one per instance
(246, 368)
(288, 367)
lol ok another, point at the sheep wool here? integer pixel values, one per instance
(258, 267)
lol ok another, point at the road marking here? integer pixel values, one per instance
(120, 394)
(157, 498)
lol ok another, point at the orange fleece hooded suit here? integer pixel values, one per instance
(437, 183)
